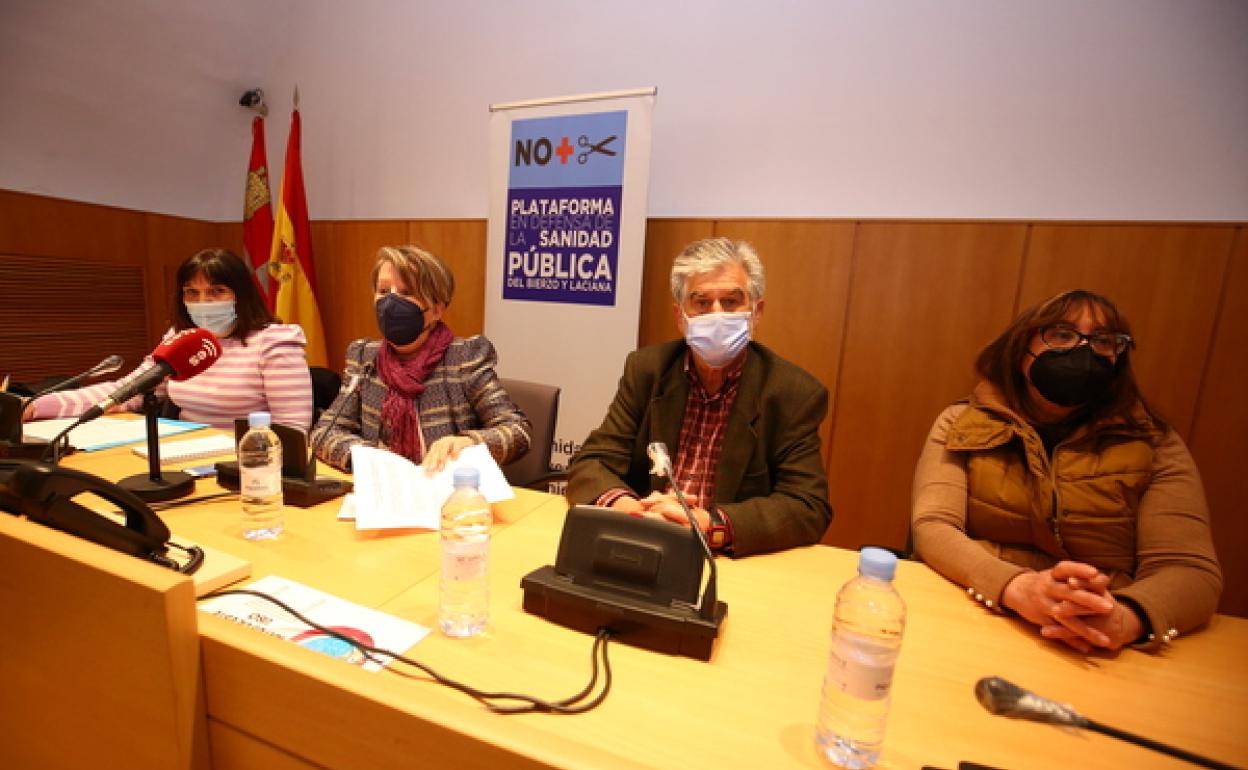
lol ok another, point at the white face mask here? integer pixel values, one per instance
(217, 317)
(718, 338)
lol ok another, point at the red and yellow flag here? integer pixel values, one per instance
(290, 257)
(258, 211)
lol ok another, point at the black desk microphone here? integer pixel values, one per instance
(1008, 699)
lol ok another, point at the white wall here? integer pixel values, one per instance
(1103, 109)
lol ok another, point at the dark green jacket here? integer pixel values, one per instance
(770, 482)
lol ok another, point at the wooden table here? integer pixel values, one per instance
(272, 704)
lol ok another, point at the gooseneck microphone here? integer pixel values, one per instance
(1008, 699)
(107, 366)
(662, 466)
(12, 409)
(356, 380)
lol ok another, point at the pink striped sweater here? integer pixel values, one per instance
(269, 373)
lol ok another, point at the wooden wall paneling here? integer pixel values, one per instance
(665, 238)
(1219, 438)
(60, 316)
(170, 241)
(37, 226)
(807, 266)
(344, 254)
(461, 244)
(924, 298)
(1164, 278)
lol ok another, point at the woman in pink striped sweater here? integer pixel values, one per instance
(263, 366)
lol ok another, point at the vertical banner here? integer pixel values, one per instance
(567, 231)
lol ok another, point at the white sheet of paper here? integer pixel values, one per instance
(392, 492)
(379, 629)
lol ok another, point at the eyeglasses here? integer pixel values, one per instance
(1063, 337)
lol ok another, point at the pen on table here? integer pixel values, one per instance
(964, 766)
(4, 386)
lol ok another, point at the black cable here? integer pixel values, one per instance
(1164, 748)
(530, 703)
(181, 501)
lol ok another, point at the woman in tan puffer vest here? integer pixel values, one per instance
(1057, 493)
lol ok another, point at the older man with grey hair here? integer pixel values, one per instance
(744, 421)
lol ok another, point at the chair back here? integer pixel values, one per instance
(325, 386)
(540, 403)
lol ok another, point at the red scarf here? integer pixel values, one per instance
(405, 380)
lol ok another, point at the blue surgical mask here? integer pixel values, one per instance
(217, 317)
(718, 338)
(399, 320)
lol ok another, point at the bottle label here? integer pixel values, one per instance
(261, 482)
(465, 561)
(862, 675)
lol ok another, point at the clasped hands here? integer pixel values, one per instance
(664, 506)
(1071, 603)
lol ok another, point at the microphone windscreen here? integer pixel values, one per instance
(189, 352)
(1008, 699)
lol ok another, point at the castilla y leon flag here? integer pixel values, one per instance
(290, 258)
(258, 211)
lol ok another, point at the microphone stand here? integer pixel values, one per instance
(155, 486)
(708, 605)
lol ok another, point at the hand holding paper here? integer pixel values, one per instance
(391, 492)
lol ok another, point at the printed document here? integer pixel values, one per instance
(392, 492)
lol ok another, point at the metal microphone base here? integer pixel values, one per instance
(170, 485)
(676, 630)
(298, 492)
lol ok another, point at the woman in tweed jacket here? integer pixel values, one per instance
(421, 391)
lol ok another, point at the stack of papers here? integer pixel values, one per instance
(105, 432)
(393, 492)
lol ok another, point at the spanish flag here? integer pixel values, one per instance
(290, 258)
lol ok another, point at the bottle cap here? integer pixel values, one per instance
(877, 563)
(259, 419)
(464, 476)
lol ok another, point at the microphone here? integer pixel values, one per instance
(356, 380)
(12, 408)
(1008, 699)
(107, 366)
(662, 466)
(180, 357)
(1005, 698)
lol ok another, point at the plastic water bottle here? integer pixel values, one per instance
(866, 638)
(464, 601)
(260, 478)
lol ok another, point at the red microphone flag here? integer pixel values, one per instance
(258, 211)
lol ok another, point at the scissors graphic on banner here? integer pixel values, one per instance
(600, 147)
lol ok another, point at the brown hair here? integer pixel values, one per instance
(426, 277)
(221, 266)
(1000, 362)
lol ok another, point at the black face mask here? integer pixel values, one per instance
(1071, 377)
(400, 321)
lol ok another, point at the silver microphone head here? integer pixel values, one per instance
(108, 365)
(662, 463)
(1008, 699)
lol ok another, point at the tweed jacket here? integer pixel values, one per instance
(770, 483)
(989, 503)
(462, 398)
